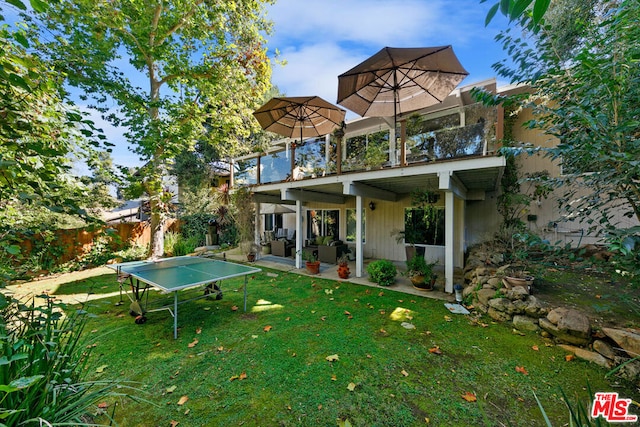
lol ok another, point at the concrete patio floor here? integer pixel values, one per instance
(330, 271)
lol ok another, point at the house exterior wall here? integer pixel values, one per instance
(550, 222)
(382, 224)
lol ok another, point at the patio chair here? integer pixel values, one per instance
(281, 247)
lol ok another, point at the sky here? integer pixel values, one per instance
(321, 39)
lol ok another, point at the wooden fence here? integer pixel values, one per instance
(72, 244)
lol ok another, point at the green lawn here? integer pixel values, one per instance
(269, 367)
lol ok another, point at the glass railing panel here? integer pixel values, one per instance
(275, 166)
(245, 172)
(443, 138)
(365, 152)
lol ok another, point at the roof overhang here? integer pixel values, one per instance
(469, 178)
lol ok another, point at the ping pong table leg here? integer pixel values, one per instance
(245, 293)
(175, 315)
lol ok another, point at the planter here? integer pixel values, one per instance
(411, 250)
(251, 257)
(526, 282)
(313, 267)
(420, 283)
(343, 271)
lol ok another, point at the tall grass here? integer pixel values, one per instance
(42, 366)
(175, 244)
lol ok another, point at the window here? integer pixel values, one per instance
(272, 221)
(351, 225)
(323, 222)
(424, 226)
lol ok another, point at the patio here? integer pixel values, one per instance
(330, 271)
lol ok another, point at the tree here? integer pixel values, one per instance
(39, 135)
(588, 97)
(515, 9)
(40, 132)
(195, 169)
(204, 64)
(589, 100)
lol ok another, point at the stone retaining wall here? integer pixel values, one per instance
(492, 294)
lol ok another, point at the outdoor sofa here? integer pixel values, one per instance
(282, 247)
(328, 249)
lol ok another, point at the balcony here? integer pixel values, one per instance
(454, 134)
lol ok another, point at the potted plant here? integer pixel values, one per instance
(423, 202)
(343, 266)
(252, 251)
(409, 237)
(420, 272)
(382, 272)
(517, 277)
(311, 262)
(266, 247)
(243, 216)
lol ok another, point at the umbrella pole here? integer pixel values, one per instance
(293, 159)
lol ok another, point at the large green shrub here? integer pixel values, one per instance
(195, 226)
(43, 366)
(382, 272)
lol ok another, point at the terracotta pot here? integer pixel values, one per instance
(313, 267)
(343, 272)
(417, 280)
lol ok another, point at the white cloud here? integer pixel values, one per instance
(313, 70)
(376, 23)
(321, 39)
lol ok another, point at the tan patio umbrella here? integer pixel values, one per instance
(303, 116)
(276, 209)
(398, 80)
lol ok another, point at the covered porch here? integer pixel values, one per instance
(381, 197)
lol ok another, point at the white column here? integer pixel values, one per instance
(257, 226)
(359, 254)
(232, 170)
(298, 254)
(448, 240)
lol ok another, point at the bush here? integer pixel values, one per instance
(175, 244)
(196, 226)
(382, 272)
(44, 364)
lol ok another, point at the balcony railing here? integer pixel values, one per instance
(321, 157)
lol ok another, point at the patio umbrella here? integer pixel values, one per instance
(398, 80)
(276, 209)
(304, 116)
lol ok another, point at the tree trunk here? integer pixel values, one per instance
(154, 187)
(157, 232)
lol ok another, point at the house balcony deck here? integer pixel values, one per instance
(461, 138)
(473, 176)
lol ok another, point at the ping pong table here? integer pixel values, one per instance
(174, 275)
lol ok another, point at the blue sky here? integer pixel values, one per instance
(321, 39)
